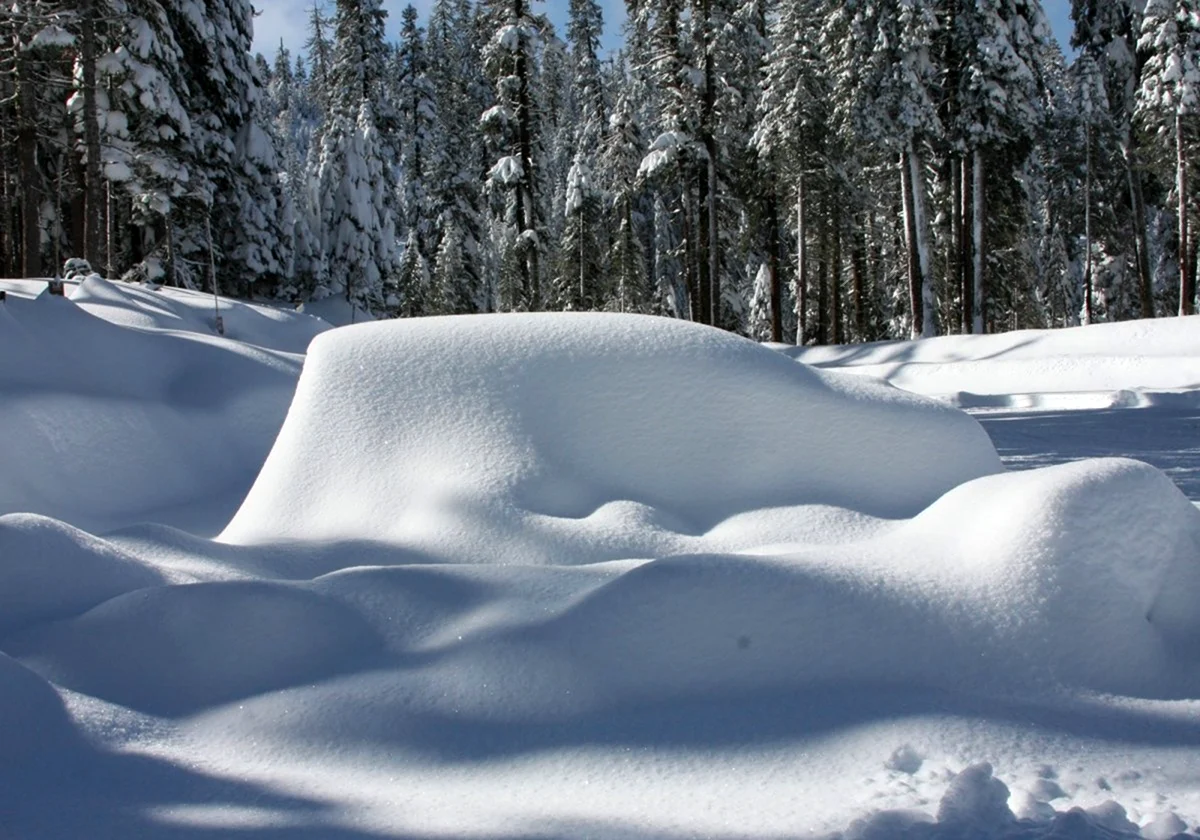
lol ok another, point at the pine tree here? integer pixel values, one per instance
(620, 157)
(512, 61)
(357, 159)
(1107, 30)
(418, 113)
(1167, 104)
(577, 282)
(793, 117)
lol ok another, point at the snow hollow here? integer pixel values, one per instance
(582, 575)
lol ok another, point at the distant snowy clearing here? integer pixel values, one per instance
(580, 575)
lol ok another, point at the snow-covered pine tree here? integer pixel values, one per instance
(793, 116)
(1093, 110)
(457, 160)
(1108, 31)
(412, 281)
(669, 165)
(512, 59)
(356, 170)
(619, 159)
(1167, 105)
(886, 80)
(418, 113)
(319, 49)
(997, 104)
(579, 274)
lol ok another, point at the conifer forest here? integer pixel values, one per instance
(809, 171)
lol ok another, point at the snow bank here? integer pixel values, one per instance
(106, 420)
(560, 576)
(50, 570)
(175, 649)
(33, 722)
(1099, 366)
(160, 308)
(449, 435)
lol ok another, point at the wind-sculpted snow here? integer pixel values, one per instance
(1125, 364)
(121, 401)
(602, 576)
(477, 439)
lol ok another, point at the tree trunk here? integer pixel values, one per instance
(954, 252)
(858, 259)
(527, 197)
(979, 311)
(1087, 228)
(703, 249)
(1141, 252)
(966, 259)
(823, 271)
(801, 263)
(27, 172)
(1186, 292)
(915, 279)
(773, 263)
(708, 111)
(835, 275)
(91, 134)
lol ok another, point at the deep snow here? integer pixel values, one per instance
(564, 576)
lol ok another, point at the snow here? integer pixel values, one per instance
(1099, 366)
(585, 575)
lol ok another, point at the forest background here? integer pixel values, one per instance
(810, 171)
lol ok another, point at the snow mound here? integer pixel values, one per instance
(1099, 366)
(958, 598)
(49, 570)
(33, 721)
(103, 422)
(176, 649)
(141, 307)
(450, 434)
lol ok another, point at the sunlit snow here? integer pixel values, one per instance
(586, 575)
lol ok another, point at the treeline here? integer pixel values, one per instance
(802, 170)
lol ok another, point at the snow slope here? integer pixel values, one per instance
(114, 370)
(565, 576)
(1100, 366)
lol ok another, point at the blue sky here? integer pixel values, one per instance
(285, 19)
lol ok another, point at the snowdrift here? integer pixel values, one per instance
(1126, 364)
(120, 401)
(579, 575)
(455, 434)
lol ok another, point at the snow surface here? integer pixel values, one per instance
(1132, 363)
(579, 575)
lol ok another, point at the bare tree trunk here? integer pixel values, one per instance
(915, 280)
(823, 270)
(979, 314)
(8, 205)
(526, 195)
(1137, 202)
(773, 263)
(1186, 291)
(91, 133)
(27, 172)
(704, 305)
(857, 283)
(801, 263)
(966, 260)
(710, 253)
(1087, 229)
(835, 275)
(954, 251)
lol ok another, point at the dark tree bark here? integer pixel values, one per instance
(93, 220)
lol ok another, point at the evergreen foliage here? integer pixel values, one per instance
(809, 170)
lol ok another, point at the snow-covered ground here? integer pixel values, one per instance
(589, 576)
